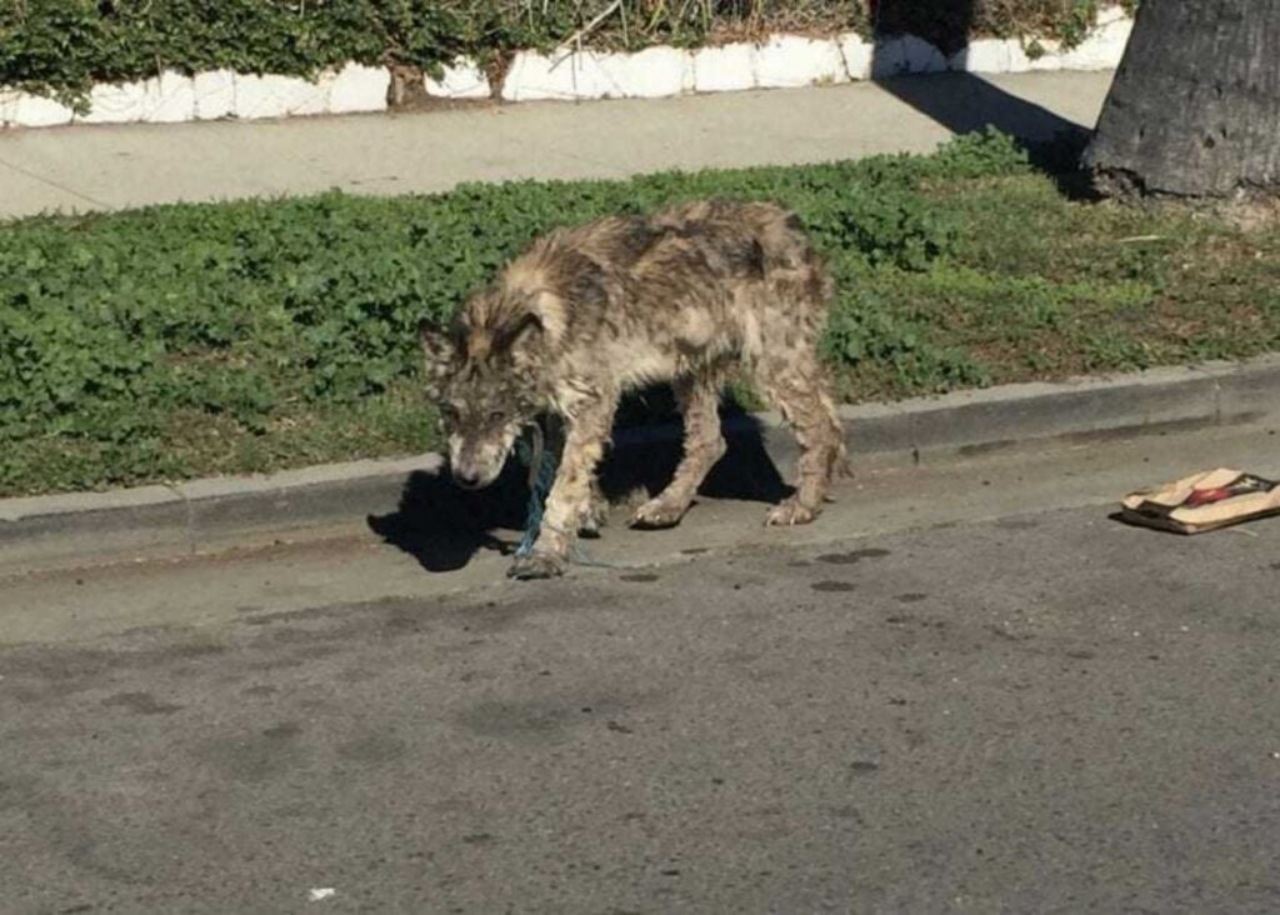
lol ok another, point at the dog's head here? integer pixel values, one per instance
(485, 382)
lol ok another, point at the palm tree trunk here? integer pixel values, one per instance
(1194, 110)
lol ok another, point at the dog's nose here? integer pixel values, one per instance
(466, 479)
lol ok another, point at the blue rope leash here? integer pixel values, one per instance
(542, 463)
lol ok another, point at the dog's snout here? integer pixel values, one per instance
(467, 479)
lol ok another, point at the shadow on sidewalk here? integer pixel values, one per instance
(443, 526)
(964, 102)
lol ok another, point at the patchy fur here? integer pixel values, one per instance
(590, 312)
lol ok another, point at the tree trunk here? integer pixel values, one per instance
(1194, 110)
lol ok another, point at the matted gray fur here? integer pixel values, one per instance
(590, 312)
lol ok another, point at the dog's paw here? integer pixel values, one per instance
(593, 520)
(537, 565)
(655, 515)
(788, 513)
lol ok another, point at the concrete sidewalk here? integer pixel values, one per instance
(110, 167)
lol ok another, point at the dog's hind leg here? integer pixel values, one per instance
(704, 445)
(797, 384)
(569, 502)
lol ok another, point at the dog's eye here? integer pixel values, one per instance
(497, 416)
(449, 413)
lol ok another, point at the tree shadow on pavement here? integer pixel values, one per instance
(964, 102)
(443, 526)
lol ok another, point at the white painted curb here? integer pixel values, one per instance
(781, 61)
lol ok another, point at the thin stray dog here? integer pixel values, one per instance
(590, 312)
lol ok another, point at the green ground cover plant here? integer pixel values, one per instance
(181, 341)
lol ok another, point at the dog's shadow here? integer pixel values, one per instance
(443, 526)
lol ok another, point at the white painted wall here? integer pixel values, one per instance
(782, 61)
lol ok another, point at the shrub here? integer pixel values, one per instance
(63, 47)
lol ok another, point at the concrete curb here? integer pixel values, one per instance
(47, 532)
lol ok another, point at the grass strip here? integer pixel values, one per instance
(183, 341)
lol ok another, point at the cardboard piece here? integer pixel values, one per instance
(1203, 502)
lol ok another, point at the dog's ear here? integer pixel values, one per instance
(521, 335)
(552, 314)
(541, 326)
(440, 352)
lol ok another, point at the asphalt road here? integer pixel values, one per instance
(1021, 708)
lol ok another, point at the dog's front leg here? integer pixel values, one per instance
(570, 500)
